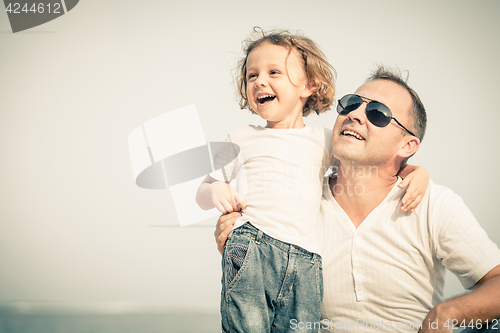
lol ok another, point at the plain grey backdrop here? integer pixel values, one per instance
(75, 230)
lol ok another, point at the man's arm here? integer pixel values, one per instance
(473, 308)
(463, 247)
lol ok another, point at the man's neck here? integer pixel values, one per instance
(360, 189)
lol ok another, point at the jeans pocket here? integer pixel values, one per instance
(234, 258)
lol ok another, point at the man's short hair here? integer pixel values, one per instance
(418, 115)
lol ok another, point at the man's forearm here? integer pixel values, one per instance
(476, 308)
(481, 304)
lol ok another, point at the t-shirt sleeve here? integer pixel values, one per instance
(330, 163)
(227, 160)
(333, 168)
(461, 244)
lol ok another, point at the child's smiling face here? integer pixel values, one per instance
(277, 85)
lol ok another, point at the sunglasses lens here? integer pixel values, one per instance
(349, 103)
(378, 114)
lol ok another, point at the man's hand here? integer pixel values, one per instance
(437, 320)
(481, 304)
(223, 228)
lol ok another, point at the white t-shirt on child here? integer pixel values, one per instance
(279, 173)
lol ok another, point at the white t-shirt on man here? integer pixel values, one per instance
(389, 272)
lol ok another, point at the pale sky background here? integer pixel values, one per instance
(74, 227)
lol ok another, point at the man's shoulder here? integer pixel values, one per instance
(441, 208)
(438, 195)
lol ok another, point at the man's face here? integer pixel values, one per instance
(358, 141)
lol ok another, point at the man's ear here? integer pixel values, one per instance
(410, 146)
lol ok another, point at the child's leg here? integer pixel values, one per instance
(253, 272)
(299, 306)
(243, 299)
(268, 285)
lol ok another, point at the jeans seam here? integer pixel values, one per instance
(291, 287)
(319, 286)
(228, 314)
(288, 275)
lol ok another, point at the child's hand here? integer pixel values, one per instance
(225, 198)
(417, 182)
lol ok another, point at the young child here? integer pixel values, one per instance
(271, 262)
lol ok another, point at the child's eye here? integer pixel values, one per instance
(251, 76)
(274, 72)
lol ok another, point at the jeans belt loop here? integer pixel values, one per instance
(314, 257)
(259, 237)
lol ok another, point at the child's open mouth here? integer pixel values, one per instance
(265, 98)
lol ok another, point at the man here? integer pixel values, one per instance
(384, 267)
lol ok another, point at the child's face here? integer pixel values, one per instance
(277, 86)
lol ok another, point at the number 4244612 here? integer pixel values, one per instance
(488, 324)
(17, 8)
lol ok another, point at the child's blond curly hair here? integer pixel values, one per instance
(320, 73)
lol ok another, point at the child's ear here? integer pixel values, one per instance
(308, 89)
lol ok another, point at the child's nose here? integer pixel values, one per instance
(261, 81)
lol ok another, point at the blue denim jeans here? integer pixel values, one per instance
(269, 285)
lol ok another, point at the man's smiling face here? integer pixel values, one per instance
(358, 141)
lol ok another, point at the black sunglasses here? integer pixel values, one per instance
(377, 113)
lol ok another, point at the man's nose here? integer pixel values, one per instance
(358, 115)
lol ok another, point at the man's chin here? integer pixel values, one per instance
(346, 154)
(350, 158)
